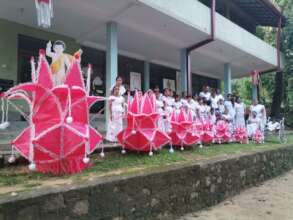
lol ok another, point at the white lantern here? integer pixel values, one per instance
(44, 12)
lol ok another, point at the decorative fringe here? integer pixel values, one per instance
(62, 167)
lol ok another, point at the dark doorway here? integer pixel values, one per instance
(27, 47)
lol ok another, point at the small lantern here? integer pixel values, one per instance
(44, 12)
(254, 77)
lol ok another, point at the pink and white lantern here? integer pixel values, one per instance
(44, 12)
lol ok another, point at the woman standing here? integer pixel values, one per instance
(116, 106)
(230, 108)
(254, 124)
(239, 113)
(260, 111)
(160, 110)
(119, 84)
(201, 109)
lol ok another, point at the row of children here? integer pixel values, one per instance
(206, 106)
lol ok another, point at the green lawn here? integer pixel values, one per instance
(19, 178)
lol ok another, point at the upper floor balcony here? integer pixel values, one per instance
(234, 43)
(152, 30)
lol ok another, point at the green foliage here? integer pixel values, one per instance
(267, 87)
(242, 87)
(287, 48)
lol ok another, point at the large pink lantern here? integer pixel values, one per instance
(182, 132)
(59, 138)
(223, 133)
(142, 132)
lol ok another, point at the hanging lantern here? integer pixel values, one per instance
(44, 12)
(254, 77)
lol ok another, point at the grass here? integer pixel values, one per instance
(19, 178)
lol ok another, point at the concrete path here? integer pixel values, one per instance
(271, 201)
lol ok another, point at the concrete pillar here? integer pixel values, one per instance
(219, 84)
(111, 61)
(146, 78)
(184, 69)
(227, 79)
(254, 92)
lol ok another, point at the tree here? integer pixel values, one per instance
(282, 81)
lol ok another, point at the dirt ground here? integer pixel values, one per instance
(271, 201)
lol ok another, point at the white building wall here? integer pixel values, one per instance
(235, 35)
(190, 12)
(197, 15)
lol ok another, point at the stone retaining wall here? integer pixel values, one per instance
(162, 194)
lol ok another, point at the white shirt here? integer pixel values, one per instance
(219, 96)
(169, 103)
(259, 109)
(206, 95)
(184, 102)
(240, 109)
(230, 108)
(193, 105)
(159, 106)
(177, 105)
(221, 108)
(214, 102)
(117, 103)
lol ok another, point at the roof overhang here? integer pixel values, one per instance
(143, 33)
(264, 12)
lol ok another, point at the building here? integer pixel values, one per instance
(185, 44)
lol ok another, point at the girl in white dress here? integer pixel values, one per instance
(191, 105)
(115, 124)
(253, 124)
(168, 101)
(119, 84)
(212, 116)
(260, 113)
(160, 110)
(230, 107)
(201, 110)
(177, 104)
(239, 113)
(207, 110)
(221, 106)
(214, 100)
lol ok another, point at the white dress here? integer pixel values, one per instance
(213, 118)
(214, 102)
(207, 112)
(169, 104)
(231, 110)
(218, 97)
(159, 109)
(221, 108)
(193, 106)
(177, 106)
(205, 95)
(115, 125)
(253, 126)
(260, 114)
(201, 112)
(239, 116)
(184, 102)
